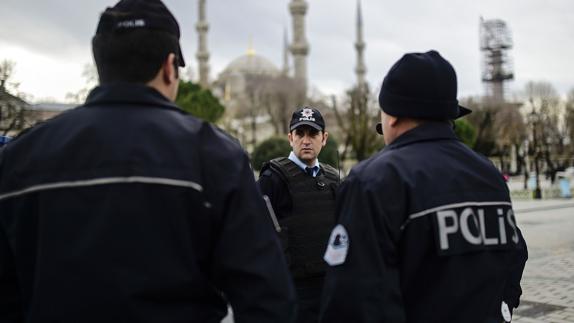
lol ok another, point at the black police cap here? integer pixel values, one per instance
(129, 15)
(307, 117)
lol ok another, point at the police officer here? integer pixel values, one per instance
(302, 193)
(126, 209)
(426, 230)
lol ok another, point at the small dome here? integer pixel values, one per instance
(251, 64)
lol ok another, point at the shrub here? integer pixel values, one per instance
(268, 149)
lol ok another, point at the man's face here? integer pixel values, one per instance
(307, 143)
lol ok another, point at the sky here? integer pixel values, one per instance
(49, 40)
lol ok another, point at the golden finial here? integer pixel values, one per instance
(250, 49)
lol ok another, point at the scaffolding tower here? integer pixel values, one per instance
(497, 67)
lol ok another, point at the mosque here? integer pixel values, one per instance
(244, 82)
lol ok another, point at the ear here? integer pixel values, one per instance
(290, 139)
(325, 136)
(393, 121)
(169, 74)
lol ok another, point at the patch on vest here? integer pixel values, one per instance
(505, 312)
(338, 246)
(471, 228)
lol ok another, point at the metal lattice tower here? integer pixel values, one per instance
(497, 67)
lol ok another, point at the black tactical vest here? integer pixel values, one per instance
(306, 229)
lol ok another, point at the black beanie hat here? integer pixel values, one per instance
(421, 85)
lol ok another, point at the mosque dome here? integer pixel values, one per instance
(233, 81)
(251, 64)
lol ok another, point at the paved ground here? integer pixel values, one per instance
(548, 281)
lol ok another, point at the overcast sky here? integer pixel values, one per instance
(50, 39)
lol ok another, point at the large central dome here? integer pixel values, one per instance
(251, 64)
(242, 75)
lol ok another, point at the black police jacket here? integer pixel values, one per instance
(126, 209)
(426, 234)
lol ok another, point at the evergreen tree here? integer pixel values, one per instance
(199, 102)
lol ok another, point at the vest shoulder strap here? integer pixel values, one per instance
(331, 172)
(283, 167)
(286, 167)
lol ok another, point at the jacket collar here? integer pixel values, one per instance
(428, 131)
(128, 93)
(300, 163)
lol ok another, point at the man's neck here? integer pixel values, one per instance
(405, 125)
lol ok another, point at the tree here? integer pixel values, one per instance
(278, 98)
(500, 130)
(14, 112)
(6, 71)
(268, 149)
(90, 75)
(510, 132)
(357, 123)
(247, 107)
(466, 132)
(549, 136)
(199, 102)
(253, 101)
(482, 119)
(329, 154)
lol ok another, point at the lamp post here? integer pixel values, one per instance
(533, 116)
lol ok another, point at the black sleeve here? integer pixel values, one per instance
(276, 189)
(249, 264)
(267, 185)
(512, 290)
(365, 287)
(11, 308)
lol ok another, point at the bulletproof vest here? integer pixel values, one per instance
(305, 231)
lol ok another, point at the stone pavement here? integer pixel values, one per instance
(548, 280)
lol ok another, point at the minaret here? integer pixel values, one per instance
(360, 69)
(285, 70)
(202, 54)
(299, 46)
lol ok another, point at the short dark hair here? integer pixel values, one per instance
(307, 129)
(135, 56)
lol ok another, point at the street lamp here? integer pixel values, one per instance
(533, 117)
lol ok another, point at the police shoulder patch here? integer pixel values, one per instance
(338, 246)
(505, 312)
